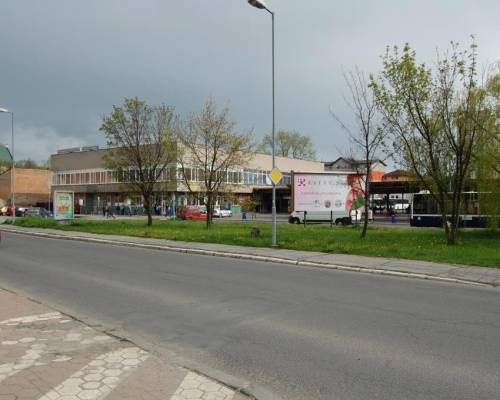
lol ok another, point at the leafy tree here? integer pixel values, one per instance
(30, 164)
(487, 155)
(436, 118)
(5, 159)
(142, 145)
(5, 166)
(289, 144)
(250, 205)
(367, 135)
(212, 149)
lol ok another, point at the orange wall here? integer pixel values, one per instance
(376, 175)
(32, 180)
(31, 185)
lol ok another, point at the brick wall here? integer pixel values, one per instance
(31, 186)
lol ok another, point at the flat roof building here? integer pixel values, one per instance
(83, 171)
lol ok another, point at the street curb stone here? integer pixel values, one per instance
(94, 238)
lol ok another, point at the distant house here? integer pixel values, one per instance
(398, 175)
(350, 164)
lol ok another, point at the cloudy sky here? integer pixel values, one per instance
(64, 63)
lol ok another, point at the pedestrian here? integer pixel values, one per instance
(104, 210)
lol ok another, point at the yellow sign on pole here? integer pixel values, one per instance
(275, 175)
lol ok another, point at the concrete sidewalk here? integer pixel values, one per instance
(46, 355)
(378, 265)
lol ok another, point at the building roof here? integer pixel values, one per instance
(353, 161)
(92, 157)
(397, 173)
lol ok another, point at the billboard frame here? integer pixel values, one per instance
(69, 216)
(327, 173)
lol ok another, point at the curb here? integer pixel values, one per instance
(227, 254)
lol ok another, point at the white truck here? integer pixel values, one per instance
(325, 197)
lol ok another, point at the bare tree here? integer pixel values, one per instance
(366, 136)
(435, 118)
(211, 149)
(141, 140)
(291, 144)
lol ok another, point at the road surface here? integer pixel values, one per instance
(300, 333)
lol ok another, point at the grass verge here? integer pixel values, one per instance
(475, 246)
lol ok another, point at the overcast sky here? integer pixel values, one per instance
(63, 63)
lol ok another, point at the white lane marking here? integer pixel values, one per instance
(31, 318)
(99, 377)
(194, 387)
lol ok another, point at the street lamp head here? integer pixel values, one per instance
(258, 4)
(3, 110)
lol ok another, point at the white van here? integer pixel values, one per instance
(297, 217)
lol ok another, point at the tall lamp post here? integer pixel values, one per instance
(260, 4)
(12, 175)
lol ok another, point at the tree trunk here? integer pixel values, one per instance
(455, 216)
(147, 206)
(366, 201)
(446, 224)
(209, 210)
(452, 233)
(365, 220)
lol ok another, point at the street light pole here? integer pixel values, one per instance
(261, 5)
(12, 169)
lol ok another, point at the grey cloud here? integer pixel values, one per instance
(65, 63)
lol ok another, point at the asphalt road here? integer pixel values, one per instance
(300, 333)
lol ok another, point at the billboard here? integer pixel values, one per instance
(64, 206)
(325, 192)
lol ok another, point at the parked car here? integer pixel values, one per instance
(7, 211)
(221, 213)
(191, 212)
(38, 212)
(378, 206)
(400, 206)
(217, 212)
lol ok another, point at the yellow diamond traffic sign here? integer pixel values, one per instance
(275, 175)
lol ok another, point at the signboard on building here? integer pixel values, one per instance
(324, 192)
(64, 206)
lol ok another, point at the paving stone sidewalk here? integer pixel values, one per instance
(379, 265)
(45, 355)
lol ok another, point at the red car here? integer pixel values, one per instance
(191, 212)
(7, 211)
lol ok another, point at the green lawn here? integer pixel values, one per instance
(475, 246)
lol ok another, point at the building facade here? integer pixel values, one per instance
(83, 171)
(31, 187)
